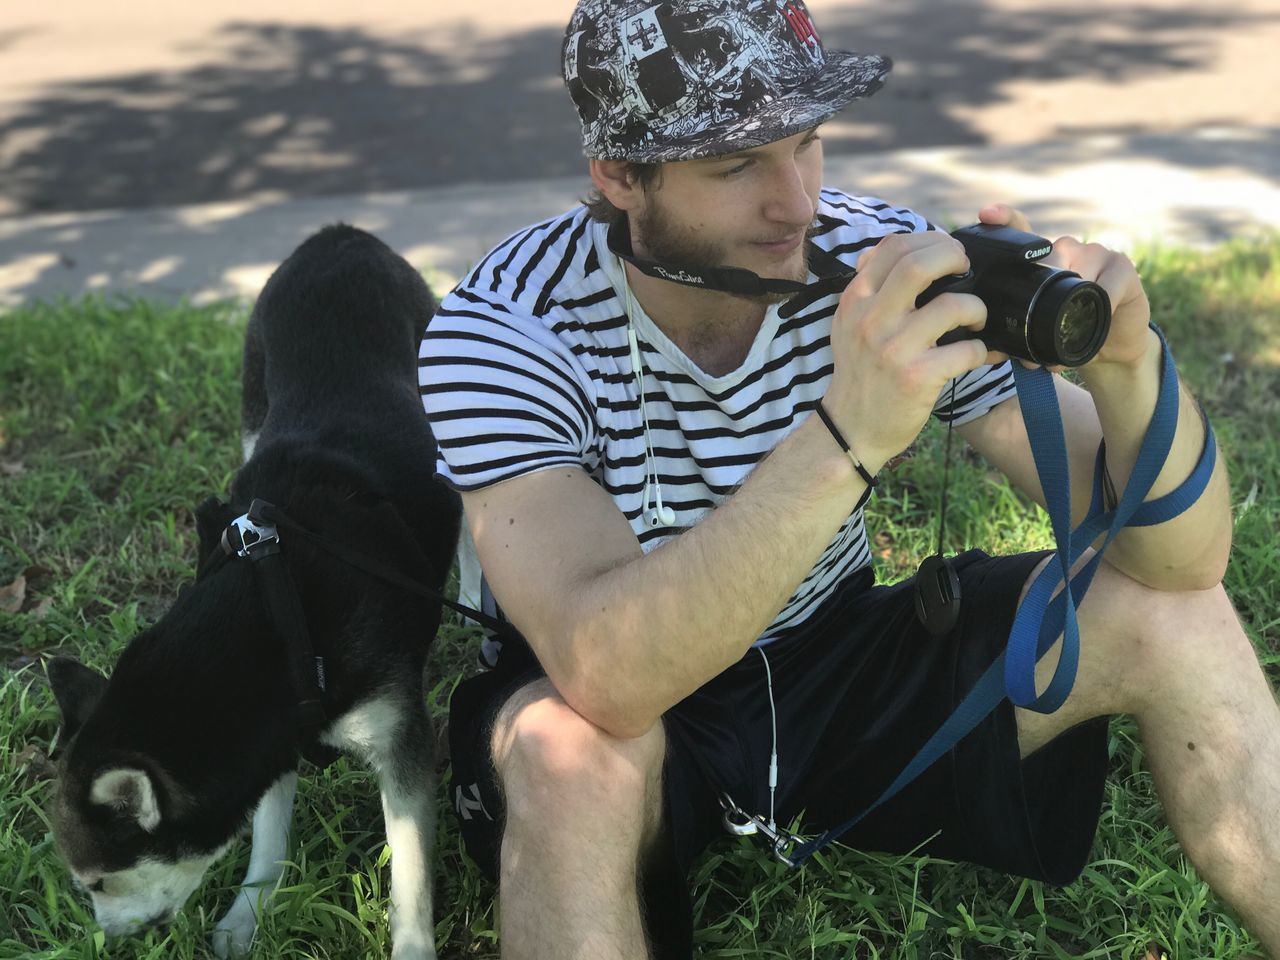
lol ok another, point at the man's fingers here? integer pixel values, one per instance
(909, 276)
(1116, 274)
(946, 313)
(954, 359)
(1001, 214)
(875, 266)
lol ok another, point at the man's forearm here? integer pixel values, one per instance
(648, 633)
(1189, 551)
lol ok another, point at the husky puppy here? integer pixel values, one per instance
(194, 732)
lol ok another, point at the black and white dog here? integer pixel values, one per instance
(195, 731)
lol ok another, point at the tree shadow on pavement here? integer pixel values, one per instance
(270, 111)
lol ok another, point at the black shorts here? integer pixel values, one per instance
(857, 691)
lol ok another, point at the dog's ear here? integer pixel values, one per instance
(77, 690)
(212, 517)
(130, 793)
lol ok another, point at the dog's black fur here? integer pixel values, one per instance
(202, 702)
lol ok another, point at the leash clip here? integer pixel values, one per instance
(742, 824)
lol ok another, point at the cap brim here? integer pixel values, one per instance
(846, 77)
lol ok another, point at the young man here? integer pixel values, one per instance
(679, 538)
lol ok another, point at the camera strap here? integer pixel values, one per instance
(1041, 618)
(833, 275)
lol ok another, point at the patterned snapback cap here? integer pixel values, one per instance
(655, 82)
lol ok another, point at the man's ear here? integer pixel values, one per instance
(77, 690)
(617, 183)
(130, 793)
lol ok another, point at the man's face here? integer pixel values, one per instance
(750, 210)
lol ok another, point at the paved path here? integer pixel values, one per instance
(185, 150)
(134, 104)
(1198, 190)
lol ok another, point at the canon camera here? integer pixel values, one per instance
(1043, 314)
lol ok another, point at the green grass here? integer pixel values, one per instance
(116, 418)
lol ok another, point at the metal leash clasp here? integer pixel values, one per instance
(742, 824)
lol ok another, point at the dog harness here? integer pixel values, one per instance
(255, 535)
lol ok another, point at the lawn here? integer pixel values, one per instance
(117, 417)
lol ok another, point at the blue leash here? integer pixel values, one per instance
(1042, 618)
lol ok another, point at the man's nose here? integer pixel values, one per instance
(789, 201)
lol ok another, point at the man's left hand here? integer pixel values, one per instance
(1128, 341)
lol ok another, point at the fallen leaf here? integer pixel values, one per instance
(11, 596)
(36, 571)
(35, 763)
(12, 468)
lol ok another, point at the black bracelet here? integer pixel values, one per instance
(862, 471)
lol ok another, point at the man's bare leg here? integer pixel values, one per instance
(581, 805)
(1183, 666)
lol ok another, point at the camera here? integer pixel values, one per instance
(1044, 314)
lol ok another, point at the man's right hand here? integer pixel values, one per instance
(888, 367)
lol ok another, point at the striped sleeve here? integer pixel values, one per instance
(503, 395)
(976, 392)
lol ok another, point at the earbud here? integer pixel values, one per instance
(661, 515)
(635, 352)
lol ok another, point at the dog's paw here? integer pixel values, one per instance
(233, 936)
(413, 951)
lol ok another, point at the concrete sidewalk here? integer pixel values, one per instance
(1190, 189)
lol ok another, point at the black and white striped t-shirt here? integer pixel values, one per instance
(526, 366)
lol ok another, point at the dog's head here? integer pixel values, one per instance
(116, 817)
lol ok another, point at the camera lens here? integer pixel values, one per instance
(1078, 323)
(1068, 320)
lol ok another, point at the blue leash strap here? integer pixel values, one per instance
(1042, 617)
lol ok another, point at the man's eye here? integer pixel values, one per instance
(738, 169)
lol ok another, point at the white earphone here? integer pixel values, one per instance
(659, 515)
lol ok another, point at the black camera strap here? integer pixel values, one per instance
(833, 275)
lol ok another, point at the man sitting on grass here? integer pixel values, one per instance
(679, 539)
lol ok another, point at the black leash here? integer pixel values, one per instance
(381, 571)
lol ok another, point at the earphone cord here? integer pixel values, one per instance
(649, 467)
(773, 753)
(650, 462)
(946, 467)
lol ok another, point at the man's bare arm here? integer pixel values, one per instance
(624, 636)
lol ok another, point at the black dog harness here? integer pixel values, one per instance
(255, 535)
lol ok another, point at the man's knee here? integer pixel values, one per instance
(1167, 620)
(556, 765)
(1162, 634)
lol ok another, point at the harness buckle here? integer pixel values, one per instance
(245, 538)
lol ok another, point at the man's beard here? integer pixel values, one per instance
(667, 243)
